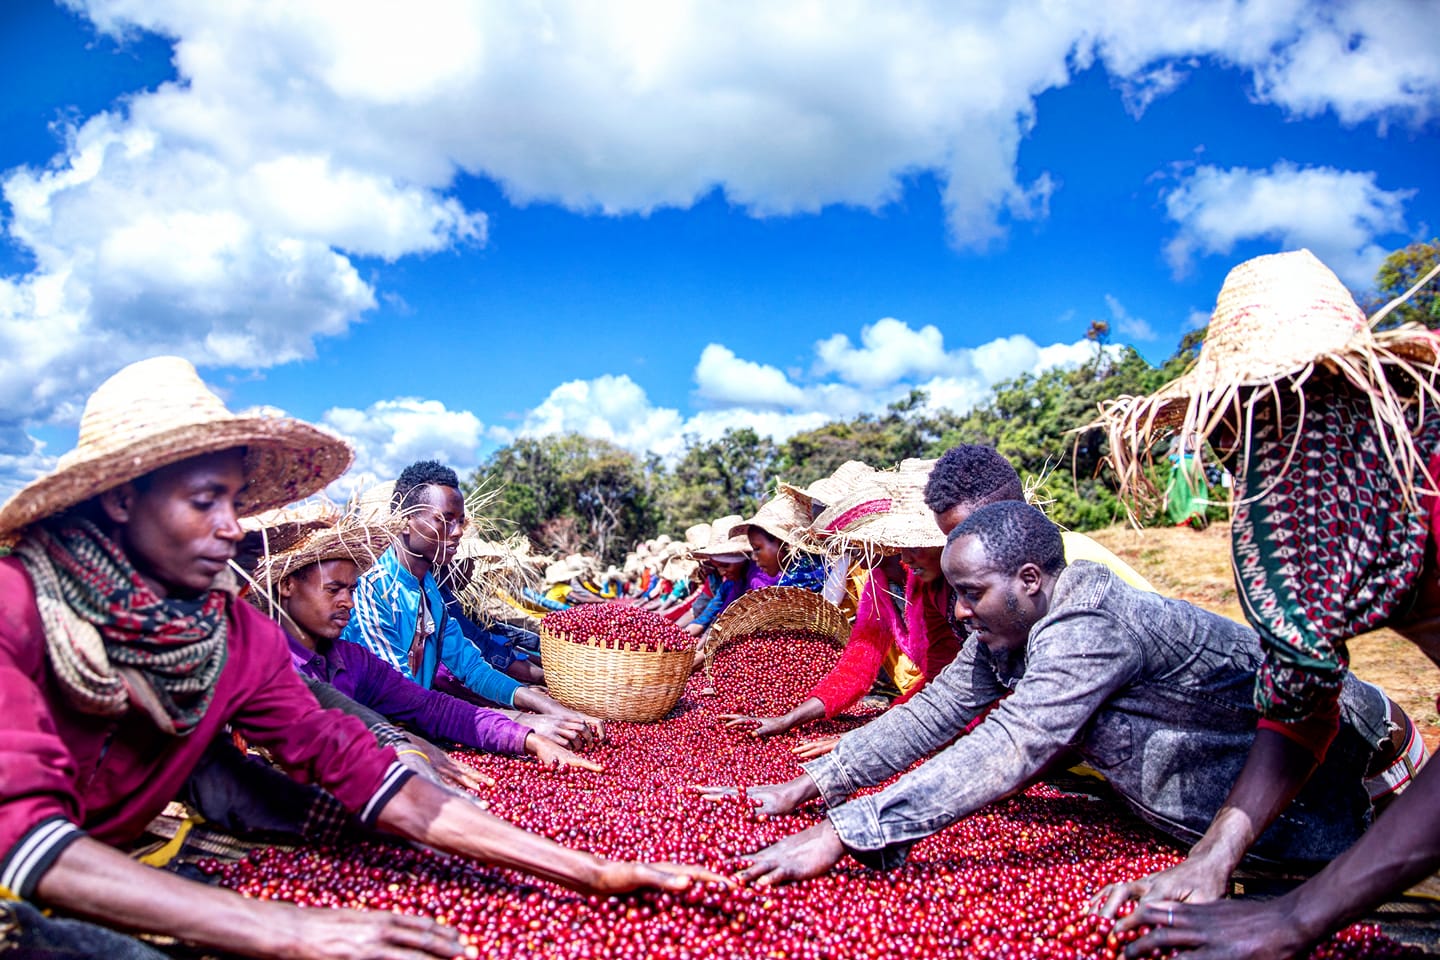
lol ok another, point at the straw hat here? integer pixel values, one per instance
(1277, 318)
(782, 517)
(696, 537)
(827, 490)
(324, 533)
(374, 504)
(282, 529)
(723, 545)
(562, 571)
(158, 412)
(908, 523)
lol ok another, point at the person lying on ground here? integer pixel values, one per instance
(400, 617)
(123, 655)
(1148, 690)
(1334, 534)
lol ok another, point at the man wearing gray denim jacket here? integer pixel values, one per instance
(1155, 693)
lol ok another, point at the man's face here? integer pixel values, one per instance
(319, 598)
(178, 525)
(924, 562)
(996, 608)
(765, 549)
(434, 522)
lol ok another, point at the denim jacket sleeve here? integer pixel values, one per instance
(1075, 663)
(903, 734)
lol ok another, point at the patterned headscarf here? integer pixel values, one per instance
(1323, 544)
(111, 641)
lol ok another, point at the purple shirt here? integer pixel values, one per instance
(365, 678)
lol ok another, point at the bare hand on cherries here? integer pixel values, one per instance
(758, 727)
(1190, 881)
(552, 754)
(800, 856)
(816, 747)
(770, 800)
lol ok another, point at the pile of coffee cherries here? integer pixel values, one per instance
(1009, 881)
(617, 626)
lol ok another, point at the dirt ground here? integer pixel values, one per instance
(1195, 566)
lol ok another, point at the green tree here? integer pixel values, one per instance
(1401, 271)
(730, 474)
(601, 487)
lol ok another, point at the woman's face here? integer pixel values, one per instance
(731, 570)
(766, 550)
(924, 562)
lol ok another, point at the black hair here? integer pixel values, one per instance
(417, 476)
(1013, 534)
(971, 475)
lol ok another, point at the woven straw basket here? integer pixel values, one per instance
(777, 608)
(637, 685)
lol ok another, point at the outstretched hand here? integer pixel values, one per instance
(1190, 881)
(758, 727)
(799, 856)
(1225, 930)
(771, 799)
(622, 876)
(552, 754)
(817, 747)
(438, 767)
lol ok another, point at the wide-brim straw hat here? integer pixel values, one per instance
(909, 523)
(158, 412)
(281, 529)
(325, 533)
(827, 490)
(782, 517)
(723, 545)
(696, 536)
(838, 527)
(1277, 318)
(373, 504)
(561, 571)
(677, 569)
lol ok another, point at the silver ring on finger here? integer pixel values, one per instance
(1169, 916)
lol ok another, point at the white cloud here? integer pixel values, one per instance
(389, 435)
(725, 379)
(216, 216)
(1363, 59)
(1338, 214)
(743, 393)
(610, 407)
(1128, 326)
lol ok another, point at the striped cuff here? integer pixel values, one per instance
(395, 778)
(28, 860)
(389, 735)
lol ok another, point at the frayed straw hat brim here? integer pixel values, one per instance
(158, 412)
(285, 460)
(1277, 319)
(360, 543)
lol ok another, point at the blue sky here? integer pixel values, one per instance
(438, 228)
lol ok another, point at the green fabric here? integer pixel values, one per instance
(1187, 495)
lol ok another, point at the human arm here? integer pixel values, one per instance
(1274, 772)
(417, 753)
(434, 713)
(538, 701)
(811, 708)
(1073, 668)
(92, 880)
(930, 720)
(1400, 850)
(421, 812)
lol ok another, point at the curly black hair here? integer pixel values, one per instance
(417, 476)
(1013, 534)
(971, 475)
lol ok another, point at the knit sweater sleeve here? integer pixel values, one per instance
(853, 676)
